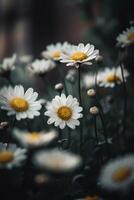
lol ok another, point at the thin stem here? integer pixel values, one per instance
(95, 128)
(69, 137)
(80, 101)
(125, 104)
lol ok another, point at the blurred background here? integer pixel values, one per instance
(27, 26)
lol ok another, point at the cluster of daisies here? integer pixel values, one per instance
(62, 111)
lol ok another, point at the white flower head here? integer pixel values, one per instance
(8, 64)
(88, 81)
(57, 161)
(64, 111)
(118, 174)
(26, 58)
(11, 156)
(34, 139)
(20, 103)
(76, 55)
(111, 76)
(71, 75)
(39, 67)
(126, 37)
(54, 51)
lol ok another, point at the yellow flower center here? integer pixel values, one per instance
(121, 174)
(64, 113)
(112, 78)
(33, 137)
(91, 198)
(56, 54)
(5, 157)
(130, 36)
(78, 56)
(19, 104)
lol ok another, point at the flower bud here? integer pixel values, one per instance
(4, 125)
(99, 59)
(94, 110)
(91, 93)
(59, 87)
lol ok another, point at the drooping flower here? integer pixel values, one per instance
(111, 76)
(57, 160)
(20, 103)
(11, 156)
(54, 51)
(76, 55)
(118, 174)
(8, 64)
(34, 139)
(64, 111)
(40, 67)
(126, 37)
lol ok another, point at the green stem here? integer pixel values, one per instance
(125, 104)
(95, 128)
(80, 101)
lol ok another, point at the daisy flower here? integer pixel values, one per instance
(34, 139)
(76, 55)
(25, 58)
(57, 160)
(20, 103)
(54, 51)
(91, 198)
(110, 76)
(88, 80)
(11, 156)
(118, 174)
(8, 64)
(71, 75)
(39, 67)
(64, 111)
(126, 37)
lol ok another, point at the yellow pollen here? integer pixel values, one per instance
(64, 113)
(19, 104)
(121, 174)
(130, 36)
(78, 56)
(91, 198)
(5, 157)
(112, 78)
(33, 136)
(56, 54)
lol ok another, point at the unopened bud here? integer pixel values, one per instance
(4, 125)
(59, 87)
(91, 93)
(99, 59)
(41, 179)
(94, 110)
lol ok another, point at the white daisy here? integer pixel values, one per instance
(34, 139)
(88, 81)
(76, 55)
(110, 76)
(54, 51)
(11, 156)
(126, 37)
(64, 111)
(20, 103)
(8, 64)
(57, 161)
(118, 174)
(26, 58)
(71, 75)
(39, 67)
(95, 197)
